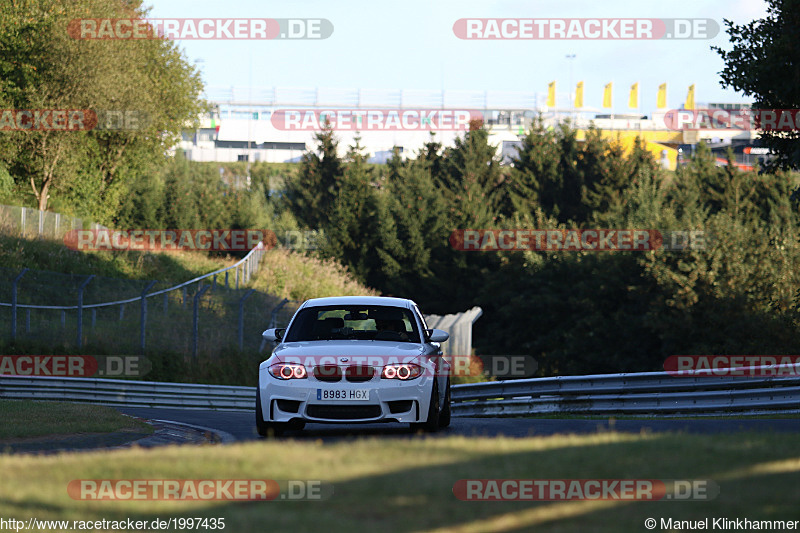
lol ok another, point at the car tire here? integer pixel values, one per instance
(444, 418)
(266, 429)
(431, 425)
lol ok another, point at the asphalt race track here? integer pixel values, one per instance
(242, 425)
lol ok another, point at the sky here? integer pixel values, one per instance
(411, 44)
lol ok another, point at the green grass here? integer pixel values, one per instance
(17, 253)
(27, 419)
(169, 326)
(405, 485)
(300, 277)
(283, 273)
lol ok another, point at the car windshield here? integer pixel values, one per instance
(374, 323)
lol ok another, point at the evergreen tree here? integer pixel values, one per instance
(312, 195)
(536, 163)
(180, 209)
(471, 180)
(360, 230)
(417, 210)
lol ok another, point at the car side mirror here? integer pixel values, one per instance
(437, 335)
(273, 334)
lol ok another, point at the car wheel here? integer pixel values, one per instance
(266, 429)
(444, 419)
(432, 424)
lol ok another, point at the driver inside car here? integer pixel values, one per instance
(390, 327)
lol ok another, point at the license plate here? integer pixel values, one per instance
(355, 395)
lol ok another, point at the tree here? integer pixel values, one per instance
(416, 208)
(535, 163)
(312, 195)
(471, 180)
(42, 66)
(757, 66)
(360, 231)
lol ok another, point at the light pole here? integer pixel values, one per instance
(200, 64)
(571, 98)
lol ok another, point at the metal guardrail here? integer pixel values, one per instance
(633, 393)
(119, 393)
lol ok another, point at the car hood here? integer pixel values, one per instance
(326, 352)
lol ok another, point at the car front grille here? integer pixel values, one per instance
(359, 373)
(344, 412)
(328, 373)
(353, 373)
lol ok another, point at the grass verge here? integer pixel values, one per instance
(27, 419)
(405, 485)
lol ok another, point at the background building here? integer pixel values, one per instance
(240, 126)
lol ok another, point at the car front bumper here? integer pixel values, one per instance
(389, 400)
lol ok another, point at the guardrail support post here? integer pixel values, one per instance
(121, 311)
(195, 315)
(241, 317)
(213, 283)
(144, 315)
(237, 277)
(273, 319)
(14, 304)
(80, 309)
(226, 279)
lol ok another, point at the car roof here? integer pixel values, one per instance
(360, 300)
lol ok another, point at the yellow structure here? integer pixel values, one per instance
(627, 138)
(633, 99)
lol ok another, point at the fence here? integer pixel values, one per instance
(204, 315)
(27, 222)
(459, 326)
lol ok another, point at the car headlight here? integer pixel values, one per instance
(404, 371)
(288, 371)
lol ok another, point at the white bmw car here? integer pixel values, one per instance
(354, 359)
